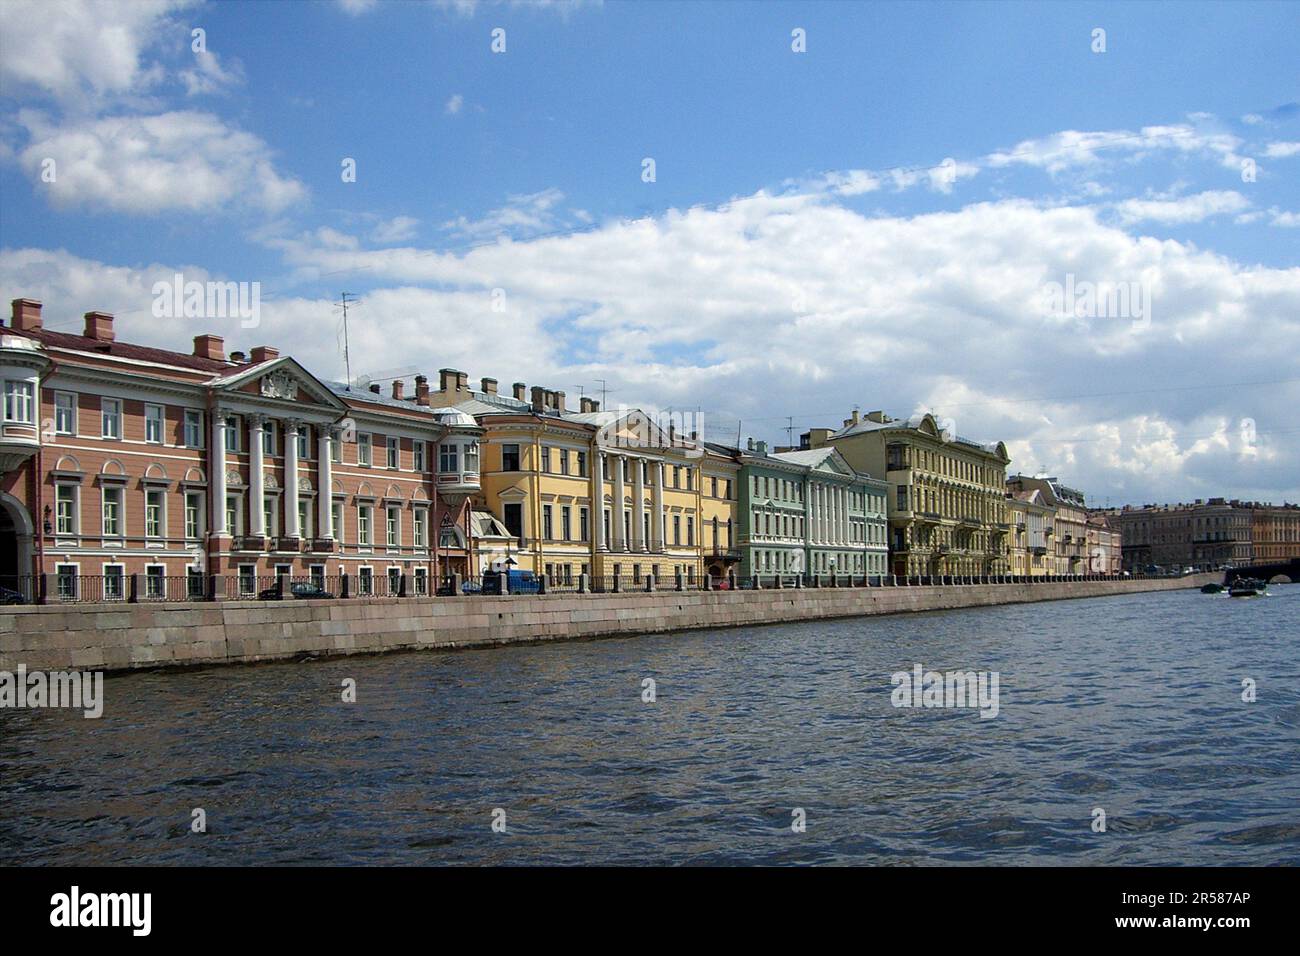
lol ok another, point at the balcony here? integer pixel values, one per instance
(927, 517)
(248, 543)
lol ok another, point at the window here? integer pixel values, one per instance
(268, 439)
(471, 458)
(336, 449)
(448, 458)
(110, 413)
(509, 457)
(564, 460)
(155, 580)
(112, 512)
(363, 450)
(303, 438)
(365, 581)
(66, 581)
(193, 428)
(193, 515)
(19, 401)
(582, 524)
(417, 451)
(546, 459)
(690, 478)
(66, 507)
(113, 590)
(317, 575)
(566, 523)
(677, 529)
(65, 413)
(394, 526)
(394, 452)
(154, 507)
(336, 519)
(547, 529)
(234, 507)
(421, 581)
(394, 580)
(233, 431)
(582, 464)
(514, 518)
(363, 524)
(304, 517)
(270, 525)
(420, 523)
(247, 580)
(153, 424)
(902, 497)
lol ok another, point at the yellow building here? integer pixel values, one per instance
(592, 492)
(1068, 538)
(720, 510)
(1029, 551)
(947, 511)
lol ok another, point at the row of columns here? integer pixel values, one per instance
(828, 515)
(621, 522)
(256, 483)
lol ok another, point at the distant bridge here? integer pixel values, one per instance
(1266, 572)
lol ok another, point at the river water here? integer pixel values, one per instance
(1130, 704)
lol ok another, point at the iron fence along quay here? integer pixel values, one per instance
(62, 588)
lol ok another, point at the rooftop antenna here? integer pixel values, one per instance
(789, 430)
(603, 383)
(347, 359)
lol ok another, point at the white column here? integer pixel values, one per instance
(638, 506)
(256, 493)
(217, 479)
(291, 529)
(598, 503)
(616, 512)
(657, 521)
(325, 494)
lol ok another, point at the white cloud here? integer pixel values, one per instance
(356, 7)
(188, 161)
(397, 229)
(522, 215)
(1281, 150)
(72, 49)
(1284, 218)
(454, 104)
(1182, 210)
(209, 76)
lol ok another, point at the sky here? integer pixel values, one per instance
(768, 214)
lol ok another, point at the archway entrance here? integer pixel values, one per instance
(15, 548)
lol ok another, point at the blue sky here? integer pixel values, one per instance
(802, 249)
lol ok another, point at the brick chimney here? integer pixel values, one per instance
(374, 387)
(99, 326)
(421, 390)
(878, 417)
(210, 347)
(489, 386)
(398, 387)
(26, 315)
(237, 357)
(447, 378)
(589, 404)
(559, 401)
(539, 398)
(462, 381)
(264, 353)
(520, 390)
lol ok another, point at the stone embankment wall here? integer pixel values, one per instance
(124, 636)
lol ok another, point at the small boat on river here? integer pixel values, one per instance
(1248, 587)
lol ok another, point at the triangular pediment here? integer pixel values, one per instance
(280, 379)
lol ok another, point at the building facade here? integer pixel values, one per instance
(808, 512)
(1028, 541)
(1068, 532)
(1212, 533)
(126, 463)
(946, 501)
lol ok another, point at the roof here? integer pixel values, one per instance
(810, 457)
(138, 353)
(486, 525)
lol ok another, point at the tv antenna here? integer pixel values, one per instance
(347, 358)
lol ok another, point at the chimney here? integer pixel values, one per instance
(489, 386)
(210, 347)
(750, 445)
(539, 398)
(815, 437)
(237, 357)
(26, 315)
(421, 390)
(878, 417)
(99, 326)
(264, 353)
(760, 448)
(589, 404)
(855, 418)
(374, 387)
(520, 388)
(398, 386)
(447, 379)
(559, 401)
(462, 382)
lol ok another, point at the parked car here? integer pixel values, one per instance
(300, 589)
(511, 582)
(10, 596)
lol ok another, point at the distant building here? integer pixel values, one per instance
(1028, 551)
(1207, 533)
(947, 510)
(1069, 531)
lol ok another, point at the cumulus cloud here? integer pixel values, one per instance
(1184, 209)
(454, 104)
(1281, 150)
(397, 229)
(191, 161)
(522, 215)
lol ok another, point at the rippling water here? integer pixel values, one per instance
(1132, 704)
